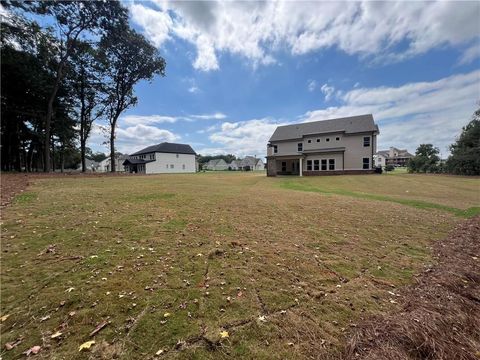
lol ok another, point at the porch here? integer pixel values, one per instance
(285, 165)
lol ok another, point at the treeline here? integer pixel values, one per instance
(464, 158)
(64, 66)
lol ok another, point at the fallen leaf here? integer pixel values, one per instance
(11, 345)
(56, 335)
(33, 350)
(262, 318)
(86, 345)
(224, 334)
(44, 318)
(159, 352)
(167, 314)
(99, 327)
(4, 318)
(70, 289)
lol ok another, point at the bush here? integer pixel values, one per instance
(389, 167)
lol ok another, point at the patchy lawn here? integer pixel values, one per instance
(214, 265)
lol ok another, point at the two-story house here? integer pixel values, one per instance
(337, 146)
(162, 158)
(393, 156)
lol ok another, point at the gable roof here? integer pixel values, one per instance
(136, 161)
(166, 147)
(349, 125)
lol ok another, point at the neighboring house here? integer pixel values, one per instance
(234, 165)
(393, 156)
(162, 158)
(251, 163)
(90, 165)
(119, 159)
(337, 146)
(216, 164)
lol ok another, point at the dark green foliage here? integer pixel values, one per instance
(205, 159)
(389, 167)
(426, 160)
(465, 157)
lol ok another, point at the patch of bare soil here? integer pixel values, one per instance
(11, 184)
(440, 313)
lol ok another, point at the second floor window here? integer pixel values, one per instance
(275, 149)
(300, 147)
(366, 141)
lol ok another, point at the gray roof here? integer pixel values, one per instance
(349, 125)
(167, 148)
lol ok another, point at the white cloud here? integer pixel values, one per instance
(244, 137)
(129, 139)
(311, 85)
(159, 119)
(193, 89)
(470, 54)
(256, 30)
(328, 91)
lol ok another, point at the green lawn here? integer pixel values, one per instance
(285, 266)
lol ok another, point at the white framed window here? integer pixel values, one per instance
(366, 141)
(183, 166)
(316, 165)
(318, 140)
(366, 163)
(331, 164)
(327, 139)
(177, 156)
(309, 141)
(324, 164)
(284, 166)
(309, 165)
(337, 138)
(275, 149)
(171, 166)
(300, 147)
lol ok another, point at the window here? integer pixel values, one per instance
(177, 156)
(171, 166)
(309, 165)
(366, 163)
(284, 166)
(324, 164)
(166, 166)
(183, 166)
(366, 141)
(316, 165)
(318, 140)
(337, 138)
(331, 164)
(275, 149)
(327, 139)
(300, 147)
(309, 141)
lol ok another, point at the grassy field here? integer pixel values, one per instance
(215, 265)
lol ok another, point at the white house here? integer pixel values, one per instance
(119, 159)
(162, 158)
(216, 164)
(251, 163)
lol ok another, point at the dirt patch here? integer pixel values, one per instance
(440, 313)
(12, 184)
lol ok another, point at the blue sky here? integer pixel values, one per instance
(236, 70)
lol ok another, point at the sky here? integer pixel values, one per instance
(237, 70)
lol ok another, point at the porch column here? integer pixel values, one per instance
(301, 167)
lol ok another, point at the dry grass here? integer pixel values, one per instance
(216, 251)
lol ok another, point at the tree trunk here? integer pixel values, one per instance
(112, 147)
(48, 119)
(62, 159)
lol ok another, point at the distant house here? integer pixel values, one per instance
(90, 165)
(251, 163)
(162, 158)
(119, 159)
(337, 146)
(393, 156)
(234, 165)
(216, 164)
